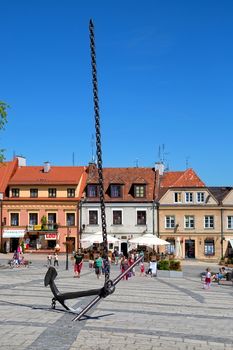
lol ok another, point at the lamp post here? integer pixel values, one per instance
(67, 247)
(1, 198)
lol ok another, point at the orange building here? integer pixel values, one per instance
(41, 206)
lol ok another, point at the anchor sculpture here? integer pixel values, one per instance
(109, 285)
(107, 289)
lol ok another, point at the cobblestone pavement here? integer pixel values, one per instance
(144, 313)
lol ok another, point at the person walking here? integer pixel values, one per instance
(49, 260)
(55, 262)
(78, 263)
(207, 279)
(142, 269)
(98, 266)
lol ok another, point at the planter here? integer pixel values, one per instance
(169, 273)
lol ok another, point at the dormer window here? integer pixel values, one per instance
(115, 191)
(92, 191)
(15, 192)
(70, 192)
(200, 197)
(33, 192)
(139, 191)
(52, 192)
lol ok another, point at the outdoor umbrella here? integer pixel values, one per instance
(98, 238)
(149, 240)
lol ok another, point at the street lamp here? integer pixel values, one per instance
(67, 247)
(1, 199)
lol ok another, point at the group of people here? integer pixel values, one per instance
(217, 277)
(52, 259)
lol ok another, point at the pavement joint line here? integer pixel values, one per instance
(171, 314)
(162, 334)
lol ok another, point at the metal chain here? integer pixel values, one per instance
(98, 147)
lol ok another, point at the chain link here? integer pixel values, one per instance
(98, 147)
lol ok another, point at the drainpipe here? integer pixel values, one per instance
(222, 237)
(158, 228)
(153, 217)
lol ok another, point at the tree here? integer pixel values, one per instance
(3, 121)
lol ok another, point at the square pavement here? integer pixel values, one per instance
(143, 313)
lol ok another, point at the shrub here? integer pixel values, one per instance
(163, 265)
(175, 265)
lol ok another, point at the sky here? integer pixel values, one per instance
(165, 81)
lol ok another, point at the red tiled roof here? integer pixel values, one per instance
(7, 169)
(57, 175)
(126, 177)
(187, 178)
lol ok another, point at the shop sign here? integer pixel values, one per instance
(13, 233)
(51, 236)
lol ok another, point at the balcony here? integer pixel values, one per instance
(48, 227)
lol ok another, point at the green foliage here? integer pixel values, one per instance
(3, 121)
(43, 222)
(163, 265)
(173, 265)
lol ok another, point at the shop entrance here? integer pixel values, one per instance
(124, 248)
(14, 244)
(190, 248)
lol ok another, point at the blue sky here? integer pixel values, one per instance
(165, 77)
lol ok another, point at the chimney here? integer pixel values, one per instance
(160, 167)
(47, 167)
(21, 161)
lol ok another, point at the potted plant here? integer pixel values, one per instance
(169, 268)
(44, 223)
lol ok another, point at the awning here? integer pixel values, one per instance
(13, 233)
(231, 242)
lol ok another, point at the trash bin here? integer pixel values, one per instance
(228, 276)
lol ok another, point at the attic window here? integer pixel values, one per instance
(52, 192)
(92, 191)
(115, 191)
(15, 192)
(139, 191)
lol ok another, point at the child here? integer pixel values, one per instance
(142, 269)
(49, 260)
(207, 279)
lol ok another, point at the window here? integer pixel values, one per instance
(93, 217)
(92, 191)
(209, 247)
(189, 222)
(200, 197)
(230, 222)
(177, 197)
(117, 217)
(170, 222)
(115, 191)
(141, 217)
(188, 197)
(33, 192)
(15, 192)
(70, 219)
(52, 192)
(139, 191)
(14, 219)
(209, 221)
(33, 219)
(52, 218)
(70, 192)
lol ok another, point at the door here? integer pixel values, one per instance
(190, 248)
(124, 249)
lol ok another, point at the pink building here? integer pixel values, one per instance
(40, 209)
